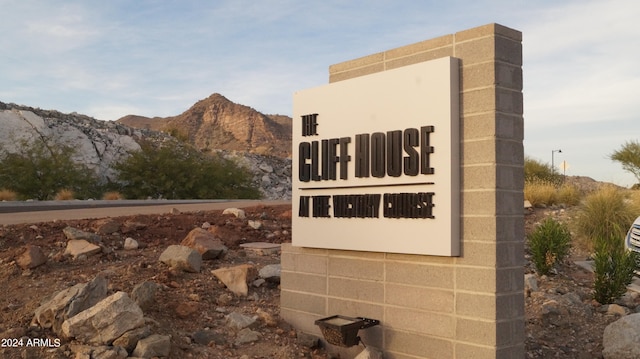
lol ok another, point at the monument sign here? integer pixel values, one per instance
(376, 162)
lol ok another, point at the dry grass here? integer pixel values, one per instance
(8, 195)
(569, 195)
(605, 213)
(112, 196)
(540, 192)
(65, 195)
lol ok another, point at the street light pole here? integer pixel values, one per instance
(553, 168)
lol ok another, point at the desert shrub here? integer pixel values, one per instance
(64, 195)
(540, 192)
(535, 170)
(614, 268)
(569, 195)
(40, 169)
(112, 196)
(8, 195)
(549, 244)
(178, 171)
(605, 213)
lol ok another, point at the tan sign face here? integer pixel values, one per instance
(376, 162)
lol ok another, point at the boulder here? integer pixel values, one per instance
(106, 226)
(32, 257)
(239, 213)
(246, 336)
(109, 352)
(205, 243)
(239, 321)
(155, 345)
(621, 338)
(130, 244)
(236, 278)
(144, 294)
(76, 234)
(255, 224)
(182, 258)
(271, 273)
(69, 302)
(205, 337)
(129, 339)
(106, 321)
(78, 247)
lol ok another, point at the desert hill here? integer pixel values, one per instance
(216, 123)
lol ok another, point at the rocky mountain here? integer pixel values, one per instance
(217, 123)
(100, 144)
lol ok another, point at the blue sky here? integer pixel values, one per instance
(107, 59)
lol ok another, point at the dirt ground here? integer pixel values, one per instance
(191, 302)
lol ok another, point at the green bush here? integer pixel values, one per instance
(549, 244)
(177, 171)
(614, 268)
(41, 169)
(605, 213)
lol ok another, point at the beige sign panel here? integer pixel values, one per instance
(376, 162)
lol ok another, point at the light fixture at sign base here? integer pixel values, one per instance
(343, 331)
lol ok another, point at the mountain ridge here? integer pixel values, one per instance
(216, 123)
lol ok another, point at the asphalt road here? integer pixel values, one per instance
(34, 212)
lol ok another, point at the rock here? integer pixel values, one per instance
(206, 337)
(106, 321)
(628, 299)
(182, 258)
(258, 282)
(271, 273)
(307, 340)
(530, 283)
(255, 224)
(32, 257)
(69, 302)
(186, 309)
(621, 338)
(235, 278)
(246, 336)
(98, 144)
(144, 294)
(130, 244)
(266, 168)
(155, 345)
(205, 243)
(132, 225)
(106, 352)
(615, 309)
(129, 339)
(77, 234)
(369, 353)
(106, 226)
(239, 213)
(261, 248)
(240, 321)
(80, 247)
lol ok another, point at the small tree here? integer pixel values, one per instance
(629, 156)
(177, 171)
(40, 169)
